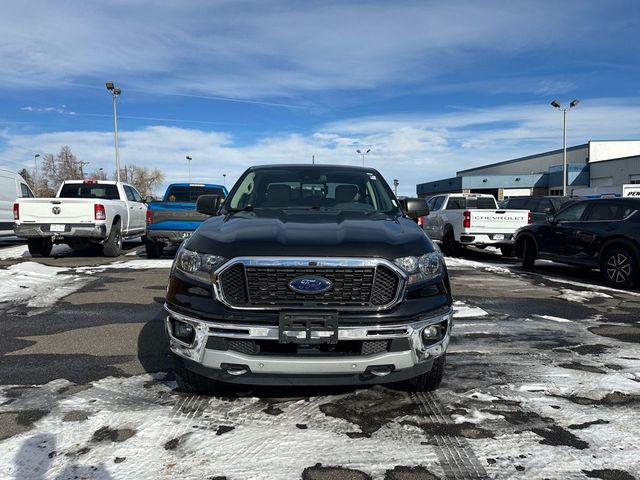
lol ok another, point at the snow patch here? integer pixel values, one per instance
(12, 253)
(581, 296)
(475, 416)
(554, 319)
(462, 310)
(129, 264)
(464, 263)
(38, 285)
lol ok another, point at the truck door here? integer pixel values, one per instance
(600, 222)
(137, 210)
(558, 239)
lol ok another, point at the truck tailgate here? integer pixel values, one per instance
(497, 221)
(57, 210)
(174, 216)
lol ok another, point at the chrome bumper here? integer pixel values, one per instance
(301, 365)
(30, 230)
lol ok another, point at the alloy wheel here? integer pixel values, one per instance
(618, 267)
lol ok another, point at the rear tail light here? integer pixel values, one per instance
(530, 217)
(16, 211)
(149, 217)
(466, 222)
(99, 213)
(421, 221)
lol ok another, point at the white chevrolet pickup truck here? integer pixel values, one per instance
(84, 213)
(457, 220)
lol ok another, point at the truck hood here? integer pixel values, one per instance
(310, 233)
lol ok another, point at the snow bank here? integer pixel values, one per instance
(462, 310)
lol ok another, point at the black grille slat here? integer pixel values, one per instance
(268, 286)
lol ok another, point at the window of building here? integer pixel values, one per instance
(635, 179)
(555, 192)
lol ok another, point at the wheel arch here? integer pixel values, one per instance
(617, 242)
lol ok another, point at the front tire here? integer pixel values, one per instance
(619, 267)
(39, 247)
(191, 382)
(528, 253)
(427, 381)
(113, 246)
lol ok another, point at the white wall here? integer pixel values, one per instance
(599, 151)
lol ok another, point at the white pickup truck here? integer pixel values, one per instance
(83, 213)
(459, 219)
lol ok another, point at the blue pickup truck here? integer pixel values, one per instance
(175, 218)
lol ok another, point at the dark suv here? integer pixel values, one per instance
(309, 275)
(539, 207)
(598, 233)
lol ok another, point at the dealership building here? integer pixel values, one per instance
(594, 168)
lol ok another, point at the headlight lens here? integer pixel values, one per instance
(196, 265)
(423, 268)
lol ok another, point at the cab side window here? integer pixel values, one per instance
(136, 196)
(438, 203)
(129, 191)
(572, 213)
(25, 191)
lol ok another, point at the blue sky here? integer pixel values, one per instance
(429, 87)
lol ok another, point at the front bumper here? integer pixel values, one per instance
(168, 236)
(232, 366)
(40, 230)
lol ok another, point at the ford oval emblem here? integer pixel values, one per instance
(310, 284)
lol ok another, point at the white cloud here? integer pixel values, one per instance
(256, 49)
(411, 148)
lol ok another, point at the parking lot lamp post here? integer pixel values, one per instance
(363, 153)
(115, 92)
(395, 186)
(556, 104)
(224, 179)
(189, 162)
(35, 175)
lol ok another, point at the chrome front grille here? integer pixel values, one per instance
(261, 283)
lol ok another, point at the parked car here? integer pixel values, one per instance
(458, 220)
(175, 218)
(308, 275)
(84, 213)
(540, 207)
(598, 233)
(12, 186)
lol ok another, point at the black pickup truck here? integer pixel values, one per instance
(309, 275)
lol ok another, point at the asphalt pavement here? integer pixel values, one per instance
(542, 381)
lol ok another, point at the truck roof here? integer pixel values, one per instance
(215, 185)
(107, 182)
(307, 165)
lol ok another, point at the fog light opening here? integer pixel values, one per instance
(430, 333)
(183, 331)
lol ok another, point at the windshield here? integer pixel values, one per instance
(89, 190)
(312, 187)
(190, 193)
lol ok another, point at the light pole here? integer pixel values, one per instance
(224, 179)
(189, 162)
(82, 164)
(115, 92)
(363, 154)
(35, 174)
(395, 186)
(556, 104)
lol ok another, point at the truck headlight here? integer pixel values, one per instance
(196, 265)
(422, 268)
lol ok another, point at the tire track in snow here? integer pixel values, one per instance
(454, 453)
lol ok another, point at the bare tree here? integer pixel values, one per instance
(98, 174)
(144, 179)
(57, 169)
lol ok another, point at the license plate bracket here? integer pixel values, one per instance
(308, 327)
(56, 227)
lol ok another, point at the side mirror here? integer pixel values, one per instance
(149, 199)
(417, 207)
(208, 204)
